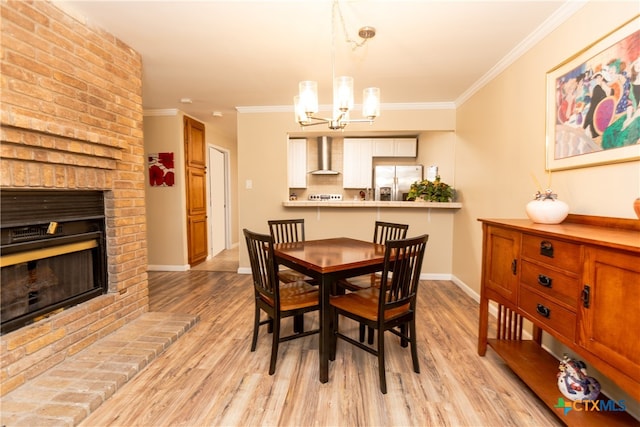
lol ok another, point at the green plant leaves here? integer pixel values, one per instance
(431, 191)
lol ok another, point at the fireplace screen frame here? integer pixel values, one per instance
(65, 224)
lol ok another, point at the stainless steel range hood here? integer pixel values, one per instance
(324, 157)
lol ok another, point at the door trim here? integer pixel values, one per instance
(227, 194)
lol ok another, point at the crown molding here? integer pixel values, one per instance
(419, 106)
(161, 112)
(554, 21)
(569, 8)
(266, 109)
(327, 107)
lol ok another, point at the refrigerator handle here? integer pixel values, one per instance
(395, 189)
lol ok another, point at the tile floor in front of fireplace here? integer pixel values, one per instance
(69, 392)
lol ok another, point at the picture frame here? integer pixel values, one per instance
(593, 103)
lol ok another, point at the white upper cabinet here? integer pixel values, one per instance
(357, 169)
(395, 147)
(297, 158)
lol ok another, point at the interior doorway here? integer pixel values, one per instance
(218, 200)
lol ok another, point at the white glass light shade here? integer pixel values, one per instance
(308, 97)
(301, 115)
(371, 102)
(343, 93)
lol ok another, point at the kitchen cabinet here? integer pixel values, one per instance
(359, 204)
(358, 154)
(357, 169)
(579, 282)
(297, 162)
(395, 147)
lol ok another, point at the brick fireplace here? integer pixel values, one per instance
(72, 119)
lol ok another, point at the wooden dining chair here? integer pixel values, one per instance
(288, 231)
(391, 307)
(382, 232)
(278, 300)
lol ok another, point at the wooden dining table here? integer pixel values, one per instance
(327, 261)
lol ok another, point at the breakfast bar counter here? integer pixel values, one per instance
(369, 204)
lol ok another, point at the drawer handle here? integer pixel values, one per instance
(586, 296)
(544, 280)
(546, 248)
(514, 267)
(543, 311)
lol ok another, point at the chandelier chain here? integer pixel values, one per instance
(306, 102)
(355, 44)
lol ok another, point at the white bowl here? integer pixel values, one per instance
(547, 211)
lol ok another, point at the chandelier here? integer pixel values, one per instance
(306, 102)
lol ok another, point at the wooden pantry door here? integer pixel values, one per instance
(195, 157)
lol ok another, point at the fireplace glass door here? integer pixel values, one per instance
(40, 281)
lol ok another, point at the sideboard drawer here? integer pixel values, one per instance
(549, 314)
(554, 284)
(566, 256)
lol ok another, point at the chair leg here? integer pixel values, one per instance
(403, 331)
(256, 325)
(381, 373)
(361, 336)
(274, 345)
(298, 323)
(270, 326)
(370, 339)
(414, 348)
(334, 337)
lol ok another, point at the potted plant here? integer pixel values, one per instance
(431, 191)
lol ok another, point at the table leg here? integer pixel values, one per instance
(325, 328)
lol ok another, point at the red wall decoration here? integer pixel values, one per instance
(161, 170)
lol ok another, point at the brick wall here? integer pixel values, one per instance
(72, 119)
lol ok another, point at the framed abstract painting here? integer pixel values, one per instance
(593, 103)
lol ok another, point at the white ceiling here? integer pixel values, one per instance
(226, 54)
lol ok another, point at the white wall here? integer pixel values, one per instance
(166, 215)
(262, 159)
(166, 206)
(501, 142)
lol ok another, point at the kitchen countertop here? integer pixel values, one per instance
(369, 204)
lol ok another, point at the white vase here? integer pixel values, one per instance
(547, 211)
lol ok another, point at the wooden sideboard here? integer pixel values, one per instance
(578, 281)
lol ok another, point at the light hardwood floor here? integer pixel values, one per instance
(210, 378)
(226, 260)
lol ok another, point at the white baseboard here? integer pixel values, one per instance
(434, 276)
(493, 308)
(465, 288)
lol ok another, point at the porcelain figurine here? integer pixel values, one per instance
(573, 381)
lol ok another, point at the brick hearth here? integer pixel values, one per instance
(69, 392)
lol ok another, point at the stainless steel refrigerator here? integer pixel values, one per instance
(394, 182)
